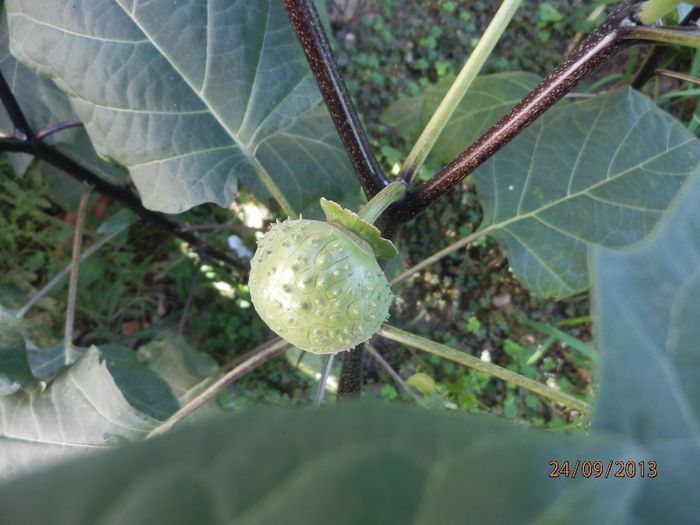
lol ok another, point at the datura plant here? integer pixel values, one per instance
(318, 284)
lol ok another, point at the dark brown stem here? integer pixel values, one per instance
(122, 195)
(660, 54)
(600, 45)
(23, 130)
(59, 126)
(350, 381)
(312, 37)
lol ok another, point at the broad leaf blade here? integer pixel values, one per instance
(180, 365)
(647, 310)
(82, 410)
(182, 94)
(593, 173)
(356, 464)
(43, 104)
(310, 162)
(489, 98)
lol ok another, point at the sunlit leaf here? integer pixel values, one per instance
(191, 97)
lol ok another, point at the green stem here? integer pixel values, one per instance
(391, 193)
(258, 356)
(61, 275)
(446, 352)
(652, 10)
(459, 87)
(274, 190)
(439, 255)
(675, 36)
(69, 354)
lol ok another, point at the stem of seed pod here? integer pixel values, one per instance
(390, 194)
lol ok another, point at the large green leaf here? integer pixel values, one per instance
(600, 172)
(347, 465)
(180, 365)
(647, 310)
(489, 98)
(190, 96)
(43, 104)
(82, 410)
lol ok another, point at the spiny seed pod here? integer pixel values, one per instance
(318, 284)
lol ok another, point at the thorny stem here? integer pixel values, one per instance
(69, 356)
(600, 45)
(421, 343)
(312, 37)
(460, 86)
(259, 356)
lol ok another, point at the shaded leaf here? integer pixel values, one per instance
(45, 361)
(82, 410)
(180, 365)
(188, 96)
(489, 98)
(309, 161)
(43, 104)
(357, 464)
(647, 311)
(593, 173)
(404, 116)
(141, 386)
(14, 368)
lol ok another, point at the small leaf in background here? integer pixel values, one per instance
(647, 311)
(178, 364)
(422, 382)
(121, 220)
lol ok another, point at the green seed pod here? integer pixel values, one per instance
(318, 284)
